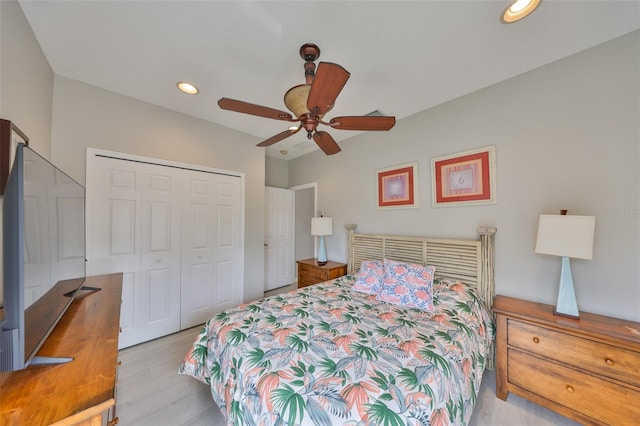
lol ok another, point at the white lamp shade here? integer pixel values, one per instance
(566, 235)
(321, 226)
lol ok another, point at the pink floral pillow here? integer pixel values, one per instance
(369, 278)
(407, 284)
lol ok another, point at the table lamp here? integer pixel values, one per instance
(321, 227)
(567, 236)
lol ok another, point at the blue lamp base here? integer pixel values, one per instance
(322, 252)
(566, 305)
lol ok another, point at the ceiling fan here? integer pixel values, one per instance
(309, 103)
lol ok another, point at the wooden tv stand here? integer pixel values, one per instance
(81, 391)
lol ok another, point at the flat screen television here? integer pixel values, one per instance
(43, 256)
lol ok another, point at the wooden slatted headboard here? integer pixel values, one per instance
(471, 261)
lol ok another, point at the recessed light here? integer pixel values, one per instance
(188, 88)
(518, 10)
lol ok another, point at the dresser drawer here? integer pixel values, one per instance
(312, 275)
(600, 399)
(596, 357)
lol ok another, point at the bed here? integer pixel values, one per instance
(330, 355)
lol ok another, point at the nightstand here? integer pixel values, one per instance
(309, 272)
(587, 369)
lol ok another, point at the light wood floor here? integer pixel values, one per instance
(151, 392)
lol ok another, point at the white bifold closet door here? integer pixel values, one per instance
(175, 233)
(211, 246)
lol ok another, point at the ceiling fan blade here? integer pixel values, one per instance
(363, 123)
(279, 137)
(327, 84)
(326, 143)
(253, 109)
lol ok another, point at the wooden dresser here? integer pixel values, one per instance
(79, 392)
(587, 369)
(309, 272)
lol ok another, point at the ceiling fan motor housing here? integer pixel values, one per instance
(309, 52)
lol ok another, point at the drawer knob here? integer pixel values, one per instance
(536, 340)
(609, 361)
(570, 389)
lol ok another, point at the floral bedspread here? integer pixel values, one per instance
(328, 355)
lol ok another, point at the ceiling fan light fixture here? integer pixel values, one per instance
(518, 10)
(188, 88)
(296, 100)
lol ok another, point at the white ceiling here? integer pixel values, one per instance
(404, 57)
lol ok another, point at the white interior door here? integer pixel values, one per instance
(279, 238)
(212, 273)
(135, 230)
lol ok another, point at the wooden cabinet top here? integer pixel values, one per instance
(314, 262)
(588, 324)
(88, 333)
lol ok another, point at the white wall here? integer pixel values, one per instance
(567, 136)
(26, 79)
(86, 116)
(276, 172)
(26, 83)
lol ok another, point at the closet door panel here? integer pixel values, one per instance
(212, 250)
(156, 312)
(115, 201)
(115, 233)
(229, 249)
(225, 292)
(198, 277)
(199, 270)
(133, 206)
(121, 222)
(157, 291)
(198, 224)
(224, 258)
